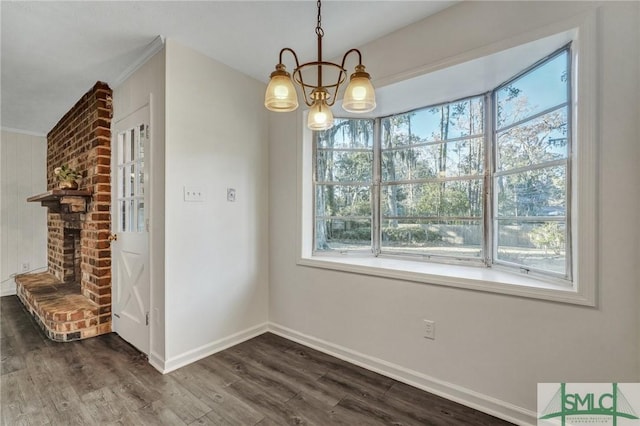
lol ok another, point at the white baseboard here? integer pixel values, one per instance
(156, 361)
(173, 363)
(450, 391)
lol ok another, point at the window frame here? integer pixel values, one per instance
(432, 257)
(494, 173)
(316, 183)
(489, 176)
(582, 31)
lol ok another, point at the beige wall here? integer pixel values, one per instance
(216, 271)
(209, 271)
(23, 226)
(147, 86)
(490, 349)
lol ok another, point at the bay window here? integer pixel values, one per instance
(484, 180)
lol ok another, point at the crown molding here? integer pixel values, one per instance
(23, 132)
(151, 49)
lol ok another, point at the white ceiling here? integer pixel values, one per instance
(53, 52)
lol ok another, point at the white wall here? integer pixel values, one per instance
(216, 258)
(23, 226)
(147, 86)
(490, 349)
(637, 90)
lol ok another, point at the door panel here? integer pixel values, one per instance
(130, 246)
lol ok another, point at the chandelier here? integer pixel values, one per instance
(281, 95)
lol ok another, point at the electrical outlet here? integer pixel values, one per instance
(231, 194)
(429, 329)
(25, 267)
(193, 194)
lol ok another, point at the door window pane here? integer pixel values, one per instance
(132, 180)
(121, 137)
(132, 216)
(141, 140)
(123, 216)
(123, 182)
(132, 146)
(130, 176)
(140, 221)
(141, 178)
(126, 147)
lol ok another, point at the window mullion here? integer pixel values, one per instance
(538, 166)
(489, 170)
(433, 143)
(314, 180)
(569, 173)
(375, 187)
(532, 117)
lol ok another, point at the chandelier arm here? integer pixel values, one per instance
(331, 98)
(296, 71)
(343, 71)
(344, 58)
(293, 53)
(297, 77)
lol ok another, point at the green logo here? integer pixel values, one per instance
(586, 407)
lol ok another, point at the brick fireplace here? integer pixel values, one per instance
(72, 300)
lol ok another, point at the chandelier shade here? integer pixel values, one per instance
(320, 115)
(281, 95)
(359, 96)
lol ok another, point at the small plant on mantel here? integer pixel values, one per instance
(67, 177)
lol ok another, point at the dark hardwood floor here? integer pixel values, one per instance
(267, 380)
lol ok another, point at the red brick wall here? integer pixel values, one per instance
(82, 140)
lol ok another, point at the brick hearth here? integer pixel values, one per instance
(60, 309)
(72, 300)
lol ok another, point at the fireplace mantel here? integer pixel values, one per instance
(63, 200)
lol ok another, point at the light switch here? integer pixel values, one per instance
(193, 194)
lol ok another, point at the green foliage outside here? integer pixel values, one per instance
(549, 236)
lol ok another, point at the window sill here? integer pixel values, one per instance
(491, 280)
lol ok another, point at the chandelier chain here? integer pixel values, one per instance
(319, 30)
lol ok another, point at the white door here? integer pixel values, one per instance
(130, 238)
